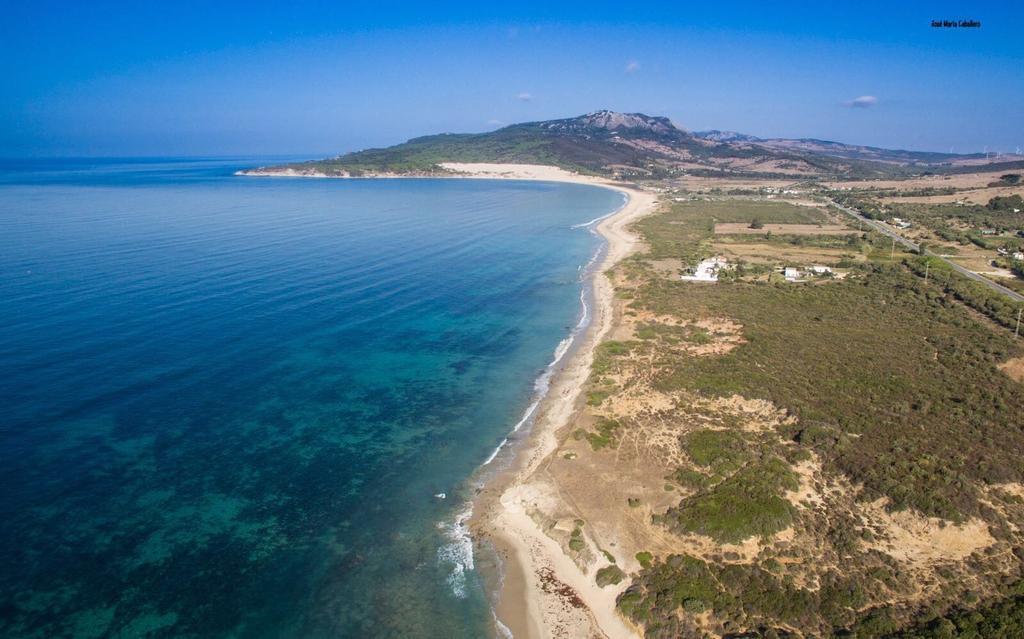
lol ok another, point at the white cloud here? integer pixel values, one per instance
(632, 66)
(524, 97)
(862, 102)
(495, 123)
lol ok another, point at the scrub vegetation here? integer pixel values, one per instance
(749, 502)
(889, 490)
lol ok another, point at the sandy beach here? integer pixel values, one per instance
(544, 593)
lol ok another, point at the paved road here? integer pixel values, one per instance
(887, 231)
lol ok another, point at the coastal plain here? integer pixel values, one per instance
(716, 459)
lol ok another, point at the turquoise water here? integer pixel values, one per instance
(229, 403)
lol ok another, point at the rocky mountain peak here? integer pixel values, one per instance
(614, 122)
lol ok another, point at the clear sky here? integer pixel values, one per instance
(308, 78)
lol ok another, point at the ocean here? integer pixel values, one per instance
(252, 407)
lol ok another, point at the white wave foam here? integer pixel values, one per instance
(540, 389)
(458, 551)
(625, 200)
(495, 452)
(543, 381)
(503, 630)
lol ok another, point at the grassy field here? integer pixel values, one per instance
(891, 391)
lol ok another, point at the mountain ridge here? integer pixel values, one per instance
(631, 146)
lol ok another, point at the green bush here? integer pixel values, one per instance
(609, 575)
(748, 503)
(722, 451)
(645, 558)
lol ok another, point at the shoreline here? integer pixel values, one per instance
(537, 576)
(540, 589)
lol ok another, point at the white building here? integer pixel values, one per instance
(707, 270)
(821, 270)
(791, 273)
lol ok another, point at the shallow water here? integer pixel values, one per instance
(229, 402)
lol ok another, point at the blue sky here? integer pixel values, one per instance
(322, 78)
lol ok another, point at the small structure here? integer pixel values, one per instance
(821, 270)
(707, 270)
(899, 222)
(1018, 255)
(791, 273)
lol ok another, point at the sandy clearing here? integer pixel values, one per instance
(1014, 368)
(911, 537)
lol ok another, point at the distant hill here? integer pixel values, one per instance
(726, 136)
(630, 146)
(852, 151)
(839, 149)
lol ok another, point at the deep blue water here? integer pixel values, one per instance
(228, 402)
